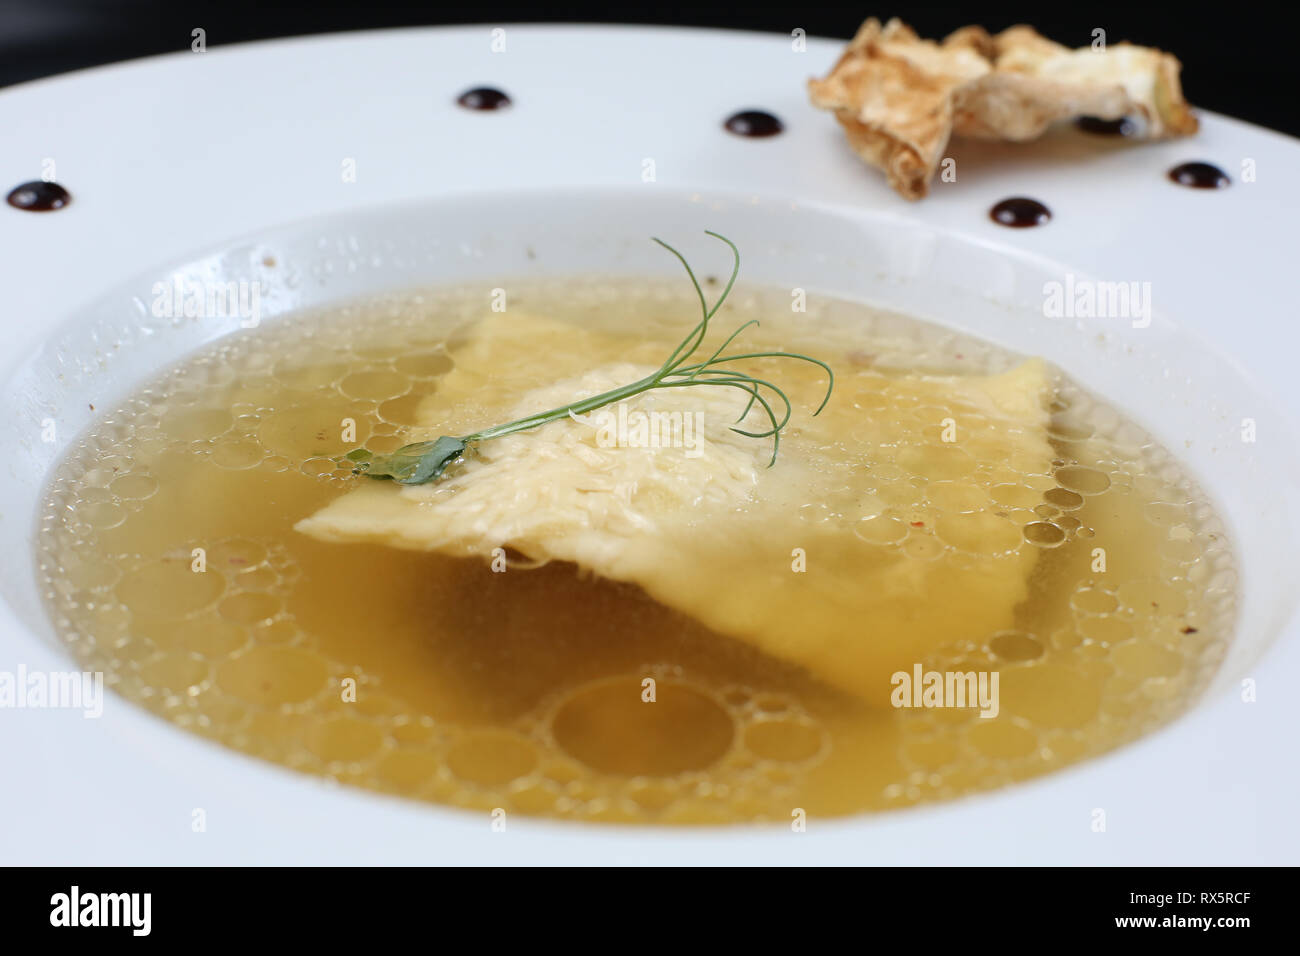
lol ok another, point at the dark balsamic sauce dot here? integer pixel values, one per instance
(1200, 176)
(1020, 212)
(753, 123)
(39, 196)
(1102, 127)
(483, 98)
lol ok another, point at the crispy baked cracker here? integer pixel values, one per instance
(900, 98)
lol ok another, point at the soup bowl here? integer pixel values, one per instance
(1201, 365)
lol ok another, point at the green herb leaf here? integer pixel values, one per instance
(426, 461)
(411, 464)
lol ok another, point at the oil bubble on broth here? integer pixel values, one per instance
(169, 561)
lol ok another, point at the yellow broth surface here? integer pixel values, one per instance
(170, 562)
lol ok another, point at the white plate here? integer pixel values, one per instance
(192, 164)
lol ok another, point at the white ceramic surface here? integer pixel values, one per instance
(193, 164)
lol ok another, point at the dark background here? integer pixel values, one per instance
(1239, 58)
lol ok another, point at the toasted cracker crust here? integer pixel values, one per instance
(900, 98)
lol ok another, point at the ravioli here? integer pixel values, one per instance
(933, 555)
